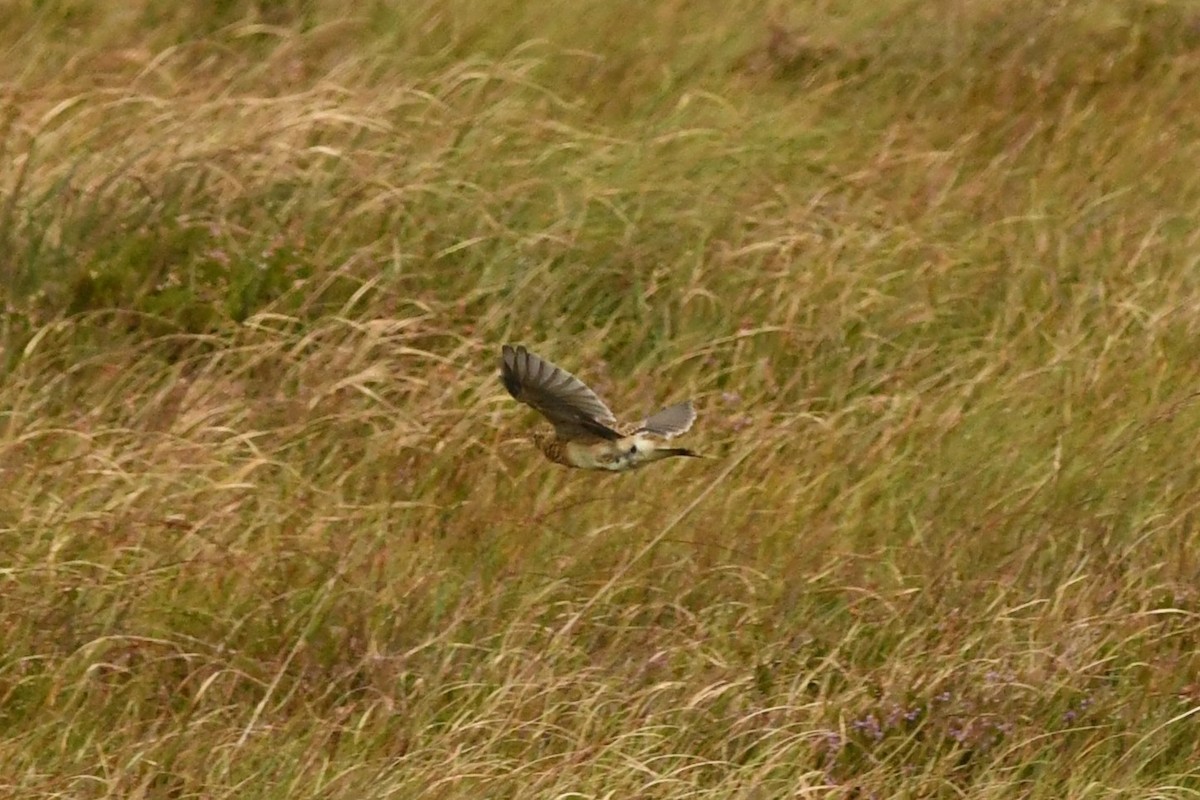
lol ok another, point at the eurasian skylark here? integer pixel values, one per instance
(586, 434)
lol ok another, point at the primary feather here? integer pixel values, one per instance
(671, 421)
(574, 409)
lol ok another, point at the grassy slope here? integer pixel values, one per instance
(930, 270)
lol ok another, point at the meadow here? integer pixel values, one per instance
(270, 527)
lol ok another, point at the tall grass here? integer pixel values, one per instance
(273, 528)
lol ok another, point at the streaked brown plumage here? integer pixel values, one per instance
(586, 435)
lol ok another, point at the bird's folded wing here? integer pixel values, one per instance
(574, 409)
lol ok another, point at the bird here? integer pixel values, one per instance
(585, 433)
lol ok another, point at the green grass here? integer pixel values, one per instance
(272, 528)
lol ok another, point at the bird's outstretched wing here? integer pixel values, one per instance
(671, 421)
(574, 409)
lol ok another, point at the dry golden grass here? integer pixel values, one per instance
(272, 527)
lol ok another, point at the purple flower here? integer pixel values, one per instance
(868, 725)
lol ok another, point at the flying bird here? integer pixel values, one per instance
(586, 435)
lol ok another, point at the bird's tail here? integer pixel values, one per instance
(668, 452)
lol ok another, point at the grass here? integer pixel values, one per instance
(272, 528)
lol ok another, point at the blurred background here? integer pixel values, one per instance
(271, 527)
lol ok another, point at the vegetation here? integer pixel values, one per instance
(272, 528)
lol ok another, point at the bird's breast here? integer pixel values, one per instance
(623, 454)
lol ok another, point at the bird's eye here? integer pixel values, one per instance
(633, 448)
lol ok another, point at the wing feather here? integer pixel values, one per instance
(574, 409)
(671, 421)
